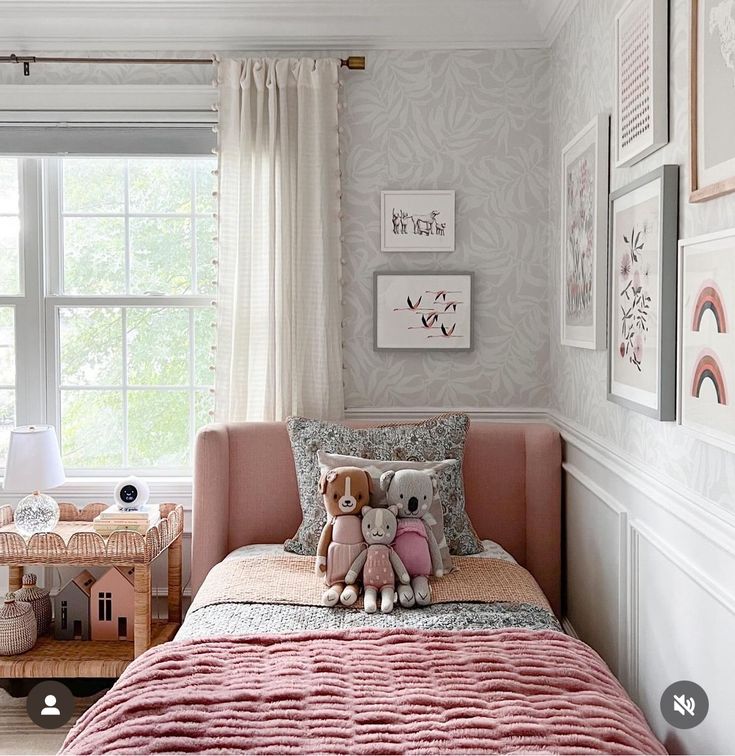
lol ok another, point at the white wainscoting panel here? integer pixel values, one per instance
(651, 586)
(595, 538)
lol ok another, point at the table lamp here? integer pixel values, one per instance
(34, 464)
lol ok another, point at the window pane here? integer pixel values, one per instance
(9, 255)
(203, 406)
(206, 184)
(160, 186)
(204, 338)
(158, 347)
(94, 185)
(158, 428)
(7, 347)
(206, 252)
(92, 428)
(9, 192)
(7, 421)
(91, 346)
(94, 256)
(160, 255)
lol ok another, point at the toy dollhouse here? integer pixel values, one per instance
(71, 608)
(112, 605)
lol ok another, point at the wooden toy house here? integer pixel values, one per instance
(71, 608)
(112, 609)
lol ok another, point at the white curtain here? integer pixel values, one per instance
(279, 341)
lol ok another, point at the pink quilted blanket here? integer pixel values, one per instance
(367, 692)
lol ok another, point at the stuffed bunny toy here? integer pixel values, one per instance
(411, 492)
(346, 490)
(379, 562)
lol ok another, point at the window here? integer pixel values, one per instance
(123, 276)
(64, 616)
(9, 291)
(105, 607)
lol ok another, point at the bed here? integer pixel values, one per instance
(259, 666)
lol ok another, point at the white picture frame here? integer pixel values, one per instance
(417, 221)
(423, 311)
(584, 215)
(644, 232)
(642, 80)
(706, 338)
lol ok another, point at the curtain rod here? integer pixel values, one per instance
(353, 63)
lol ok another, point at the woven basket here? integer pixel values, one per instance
(17, 627)
(39, 600)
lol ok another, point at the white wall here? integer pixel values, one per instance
(649, 510)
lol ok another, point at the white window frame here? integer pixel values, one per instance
(30, 366)
(36, 314)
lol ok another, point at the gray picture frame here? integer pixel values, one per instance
(668, 208)
(416, 274)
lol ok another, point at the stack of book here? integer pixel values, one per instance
(114, 518)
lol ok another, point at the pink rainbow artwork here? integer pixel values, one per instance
(709, 299)
(708, 367)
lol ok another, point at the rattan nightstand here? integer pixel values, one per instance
(74, 542)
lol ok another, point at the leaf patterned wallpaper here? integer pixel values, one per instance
(582, 84)
(476, 122)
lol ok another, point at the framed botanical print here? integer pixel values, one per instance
(707, 337)
(712, 99)
(585, 177)
(642, 78)
(423, 311)
(644, 220)
(417, 221)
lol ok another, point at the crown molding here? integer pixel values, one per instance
(551, 16)
(221, 25)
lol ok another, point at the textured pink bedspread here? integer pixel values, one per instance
(367, 692)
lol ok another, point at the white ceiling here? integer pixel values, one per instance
(355, 25)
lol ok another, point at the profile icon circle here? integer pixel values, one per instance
(50, 704)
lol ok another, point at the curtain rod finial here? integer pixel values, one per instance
(354, 63)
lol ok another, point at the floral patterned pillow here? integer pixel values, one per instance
(439, 438)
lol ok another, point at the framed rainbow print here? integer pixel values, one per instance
(706, 381)
(644, 220)
(642, 78)
(585, 181)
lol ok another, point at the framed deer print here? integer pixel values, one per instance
(423, 311)
(712, 105)
(644, 219)
(585, 171)
(417, 221)
(706, 386)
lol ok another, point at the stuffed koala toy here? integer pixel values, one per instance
(379, 562)
(346, 490)
(411, 492)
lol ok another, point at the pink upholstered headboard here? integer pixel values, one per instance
(245, 492)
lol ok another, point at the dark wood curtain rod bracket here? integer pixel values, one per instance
(353, 62)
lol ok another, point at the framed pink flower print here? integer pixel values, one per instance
(642, 294)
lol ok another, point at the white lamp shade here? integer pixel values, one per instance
(34, 461)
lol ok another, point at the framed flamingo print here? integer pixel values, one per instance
(642, 294)
(707, 337)
(423, 311)
(585, 170)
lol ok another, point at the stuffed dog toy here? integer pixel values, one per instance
(411, 493)
(346, 490)
(379, 562)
